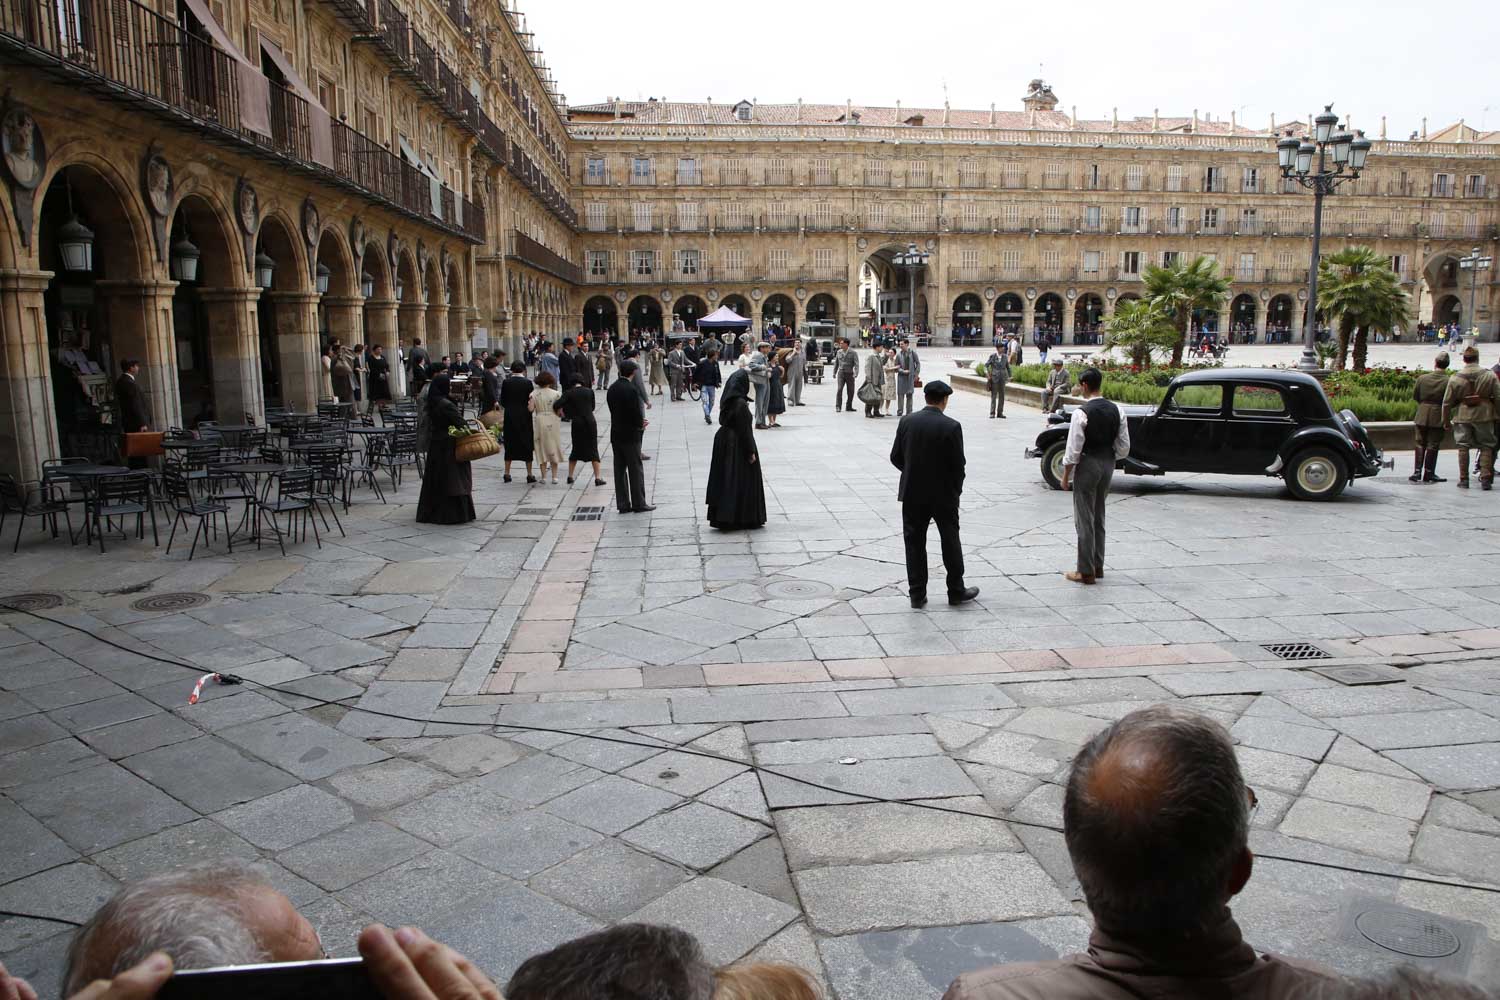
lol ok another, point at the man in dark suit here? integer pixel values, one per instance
(929, 451)
(130, 404)
(627, 425)
(583, 368)
(417, 360)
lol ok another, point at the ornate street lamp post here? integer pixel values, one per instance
(1474, 263)
(913, 260)
(1296, 160)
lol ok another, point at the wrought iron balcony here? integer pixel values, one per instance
(528, 251)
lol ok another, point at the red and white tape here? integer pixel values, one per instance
(198, 688)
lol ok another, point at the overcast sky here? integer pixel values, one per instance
(1254, 57)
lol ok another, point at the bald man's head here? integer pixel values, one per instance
(1156, 818)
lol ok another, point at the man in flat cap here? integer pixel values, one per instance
(760, 378)
(1059, 384)
(929, 451)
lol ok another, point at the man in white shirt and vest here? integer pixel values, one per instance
(1098, 437)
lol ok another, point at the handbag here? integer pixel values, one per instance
(473, 447)
(916, 383)
(143, 444)
(869, 394)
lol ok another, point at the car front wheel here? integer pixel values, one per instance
(1316, 474)
(1052, 464)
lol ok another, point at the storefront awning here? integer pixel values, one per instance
(317, 116)
(255, 89)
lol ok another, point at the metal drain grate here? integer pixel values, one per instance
(1356, 676)
(588, 514)
(1295, 651)
(170, 602)
(1407, 933)
(534, 511)
(36, 601)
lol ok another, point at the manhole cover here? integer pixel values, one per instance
(1407, 933)
(1296, 651)
(1356, 676)
(797, 590)
(170, 602)
(38, 601)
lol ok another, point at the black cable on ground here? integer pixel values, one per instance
(759, 769)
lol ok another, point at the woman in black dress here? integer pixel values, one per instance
(515, 393)
(736, 492)
(577, 407)
(379, 376)
(447, 484)
(776, 401)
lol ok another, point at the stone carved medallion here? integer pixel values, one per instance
(247, 207)
(22, 149)
(357, 237)
(312, 224)
(156, 183)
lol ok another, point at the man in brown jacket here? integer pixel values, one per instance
(1470, 406)
(1429, 393)
(1157, 821)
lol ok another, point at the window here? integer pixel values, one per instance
(1169, 257)
(919, 216)
(971, 214)
(744, 111)
(916, 173)
(1474, 186)
(593, 171)
(877, 215)
(1091, 218)
(688, 262)
(598, 263)
(732, 171)
(968, 259)
(643, 262)
(640, 170)
(1012, 216)
(734, 215)
(823, 260)
(687, 171)
(1210, 219)
(778, 259)
(1054, 177)
(1174, 220)
(1250, 180)
(328, 95)
(1131, 219)
(1213, 179)
(1091, 262)
(1437, 223)
(1471, 224)
(1246, 269)
(877, 172)
(1051, 262)
(1135, 177)
(1130, 262)
(1249, 220)
(1258, 401)
(734, 262)
(823, 214)
(1204, 398)
(822, 171)
(597, 214)
(1398, 264)
(641, 212)
(1442, 185)
(1053, 216)
(971, 173)
(1174, 177)
(687, 216)
(1092, 177)
(1286, 219)
(777, 172)
(1010, 261)
(1013, 176)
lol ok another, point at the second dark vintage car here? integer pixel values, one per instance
(1238, 421)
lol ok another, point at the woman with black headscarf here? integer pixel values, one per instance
(447, 484)
(515, 397)
(577, 406)
(736, 491)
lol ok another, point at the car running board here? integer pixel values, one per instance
(1136, 467)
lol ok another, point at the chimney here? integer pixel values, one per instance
(992, 112)
(1031, 118)
(1073, 117)
(945, 112)
(1424, 128)
(799, 110)
(1272, 127)
(1114, 115)
(1156, 119)
(1195, 119)
(1233, 121)
(617, 109)
(898, 111)
(848, 109)
(1382, 126)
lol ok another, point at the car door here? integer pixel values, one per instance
(1260, 419)
(1186, 434)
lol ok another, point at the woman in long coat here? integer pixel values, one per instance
(546, 427)
(736, 492)
(341, 371)
(888, 387)
(577, 405)
(447, 484)
(379, 377)
(658, 359)
(515, 397)
(775, 390)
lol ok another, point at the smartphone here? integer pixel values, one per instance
(328, 979)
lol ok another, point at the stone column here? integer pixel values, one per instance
(28, 423)
(435, 334)
(1262, 319)
(411, 322)
(989, 321)
(622, 324)
(1067, 319)
(140, 326)
(295, 315)
(940, 317)
(1028, 319)
(234, 352)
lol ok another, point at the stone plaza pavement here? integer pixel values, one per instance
(764, 694)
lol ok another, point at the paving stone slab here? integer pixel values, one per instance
(453, 814)
(813, 751)
(203, 841)
(472, 754)
(1015, 752)
(902, 779)
(340, 859)
(1056, 724)
(47, 760)
(935, 891)
(1391, 796)
(1460, 852)
(208, 774)
(727, 919)
(526, 843)
(683, 773)
(742, 796)
(387, 784)
(429, 885)
(886, 832)
(757, 707)
(502, 928)
(761, 868)
(30, 847)
(578, 715)
(1283, 737)
(139, 735)
(413, 700)
(909, 701)
(609, 880)
(696, 835)
(100, 807)
(287, 818)
(1351, 828)
(68, 892)
(923, 961)
(1403, 730)
(1237, 681)
(302, 745)
(611, 804)
(1269, 769)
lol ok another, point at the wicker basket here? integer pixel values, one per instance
(472, 447)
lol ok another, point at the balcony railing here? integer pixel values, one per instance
(877, 178)
(356, 14)
(1213, 185)
(1055, 182)
(596, 180)
(734, 177)
(646, 179)
(689, 178)
(528, 251)
(778, 177)
(1013, 181)
(967, 179)
(1136, 183)
(1095, 183)
(825, 178)
(1285, 276)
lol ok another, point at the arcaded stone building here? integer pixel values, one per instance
(1033, 218)
(218, 188)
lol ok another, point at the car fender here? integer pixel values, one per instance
(1051, 436)
(1317, 434)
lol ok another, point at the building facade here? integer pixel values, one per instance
(1033, 219)
(219, 188)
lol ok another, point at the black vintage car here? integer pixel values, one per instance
(1238, 421)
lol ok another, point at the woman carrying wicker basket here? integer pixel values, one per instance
(447, 484)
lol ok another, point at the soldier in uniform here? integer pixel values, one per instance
(1470, 406)
(1429, 393)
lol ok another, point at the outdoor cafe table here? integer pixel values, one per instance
(367, 433)
(87, 475)
(253, 470)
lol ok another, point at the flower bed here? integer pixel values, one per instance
(1375, 394)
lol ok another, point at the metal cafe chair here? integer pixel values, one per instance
(32, 499)
(186, 505)
(363, 467)
(293, 498)
(120, 497)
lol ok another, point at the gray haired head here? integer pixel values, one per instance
(640, 961)
(1157, 817)
(195, 914)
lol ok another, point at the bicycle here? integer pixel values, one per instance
(690, 383)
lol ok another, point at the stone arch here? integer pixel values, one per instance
(825, 307)
(1010, 312)
(453, 290)
(1281, 313)
(10, 235)
(374, 263)
(287, 344)
(644, 313)
(738, 304)
(600, 316)
(198, 185)
(1088, 315)
(1242, 314)
(121, 213)
(407, 277)
(1447, 309)
(333, 253)
(1049, 313)
(779, 308)
(435, 318)
(278, 231)
(690, 309)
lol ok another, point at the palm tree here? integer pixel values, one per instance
(1182, 288)
(1140, 327)
(1358, 289)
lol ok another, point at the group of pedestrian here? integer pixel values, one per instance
(1468, 402)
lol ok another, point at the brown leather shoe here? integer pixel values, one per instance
(1078, 577)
